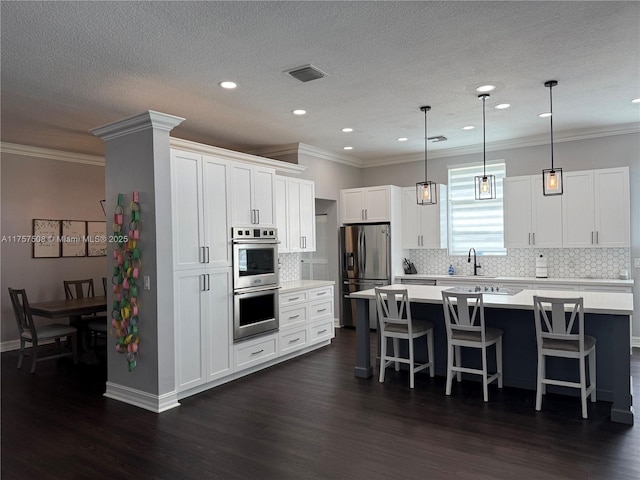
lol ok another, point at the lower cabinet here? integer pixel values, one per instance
(205, 353)
(306, 318)
(255, 351)
(203, 326)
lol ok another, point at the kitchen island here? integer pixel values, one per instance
(607, 317)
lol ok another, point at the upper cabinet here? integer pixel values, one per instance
(252, 193)
(530, 218)
(596, 208)
(424, 226)
(365, 205)
(200, 210)
(295, 214)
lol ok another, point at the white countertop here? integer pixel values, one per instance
(304, 284)
(594, 302)
(532, 280)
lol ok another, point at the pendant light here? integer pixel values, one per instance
(426, 192)
(485, 185)
(551, 177)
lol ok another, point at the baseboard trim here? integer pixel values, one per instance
(635, 342)
(138, 398)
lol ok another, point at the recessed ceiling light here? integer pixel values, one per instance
(485, 88)
(347, 129)
(347, 148)
(544, 115)
(403, 139)
(502, 106)
(635, 100)
(299, 112)
(228, 85)
(468, 127)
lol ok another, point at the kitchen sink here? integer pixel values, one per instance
(490, 290)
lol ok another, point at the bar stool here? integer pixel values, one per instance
(465, 329)
(394, 313)
(558, 336)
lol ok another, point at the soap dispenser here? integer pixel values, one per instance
(451, 269)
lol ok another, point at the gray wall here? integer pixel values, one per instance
(43, 188)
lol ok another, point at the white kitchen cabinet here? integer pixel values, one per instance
(200, 211)
(306, 317)
(255, 351)
(203, 326)
(281, 194)
(530, 218)
(302, 215)
(365, 205)
(295, 214)
(424, 226)
(252, 190)
(596, 208)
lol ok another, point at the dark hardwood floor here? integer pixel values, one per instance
(309, 418)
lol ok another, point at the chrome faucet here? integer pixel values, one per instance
(475, 264)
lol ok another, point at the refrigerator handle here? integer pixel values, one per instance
(364, 252)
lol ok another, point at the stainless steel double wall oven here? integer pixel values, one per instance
(255, 281)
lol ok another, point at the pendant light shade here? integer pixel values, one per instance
(485, 185)
(426, 192)
(551, 177)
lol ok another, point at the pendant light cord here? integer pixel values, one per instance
(425, 110)
(484, 138)
(551, 120)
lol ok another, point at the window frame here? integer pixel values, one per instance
(494, 209)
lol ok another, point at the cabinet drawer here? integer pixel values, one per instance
(293, 298)
(256, 351)
(318, 293)
(293, 316)
(322, 330)
(292, 340)
(320, 309)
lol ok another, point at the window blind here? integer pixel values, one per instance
(475, 223)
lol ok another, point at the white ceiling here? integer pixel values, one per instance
(68, 67)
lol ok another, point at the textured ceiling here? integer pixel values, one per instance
(68, 67)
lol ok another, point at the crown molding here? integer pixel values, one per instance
(310, 150)
(200, 148)
(569, 136)
(143, 121)
(49, 154)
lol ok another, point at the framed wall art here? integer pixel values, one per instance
(46, 238)
(96, 239)
(73, 238)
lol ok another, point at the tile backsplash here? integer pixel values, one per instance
(520, 262)
(289, 266)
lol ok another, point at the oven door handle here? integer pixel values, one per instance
(255, 242)
(245, 291)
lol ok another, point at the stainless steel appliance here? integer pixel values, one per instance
(255, 257)
(255, 281)
(366, 263)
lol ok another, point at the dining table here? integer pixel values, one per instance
(74, 309)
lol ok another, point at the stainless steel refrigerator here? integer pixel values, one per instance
(365, 263)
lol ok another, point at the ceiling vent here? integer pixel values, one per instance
(306, 73)
(439, 138)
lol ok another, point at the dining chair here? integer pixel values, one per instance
(465, 323)
(29, 333)
(558, 334)
(396, 323)
(96, 324)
